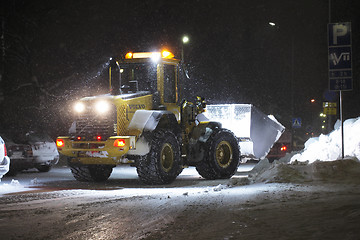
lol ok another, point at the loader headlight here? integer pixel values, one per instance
(102, 107)
(79, 107)
(155, 56)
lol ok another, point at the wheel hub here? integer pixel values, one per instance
(224, 154)
(167, 157)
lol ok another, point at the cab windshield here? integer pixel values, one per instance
(138, 77)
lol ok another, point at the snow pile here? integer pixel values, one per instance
(328, 147)
(319, 161)
(14, 186)
(338, 171)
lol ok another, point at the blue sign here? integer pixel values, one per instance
(340, 84)
(340, 69)
(296, 122)
(339, 58)
(330, 96)
(339, 34)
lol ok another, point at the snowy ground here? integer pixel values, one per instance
(55, 206)
(303, 199)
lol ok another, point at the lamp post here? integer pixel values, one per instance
(292, 91)
(185, 40)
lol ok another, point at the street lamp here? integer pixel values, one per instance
(274, 25)
(292, 83)
(185, 40)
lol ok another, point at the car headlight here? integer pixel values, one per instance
(79, 107)
(102, 106)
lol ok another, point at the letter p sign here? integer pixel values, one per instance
(339, 34)
(339, 31)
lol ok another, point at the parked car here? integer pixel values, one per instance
(281, 147)
(32, 150)
(4, 159)
(20, 154)
(44, 150)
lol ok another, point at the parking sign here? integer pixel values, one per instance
(339, 53)
(339, 34)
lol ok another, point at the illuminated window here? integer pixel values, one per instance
(169, 84)
(139, 77)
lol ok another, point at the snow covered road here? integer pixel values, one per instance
(55, 206)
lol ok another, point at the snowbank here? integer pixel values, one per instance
(14, 186)
(328, 147)
(319, 161)
(338, 171)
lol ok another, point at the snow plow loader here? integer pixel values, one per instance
(143, 122)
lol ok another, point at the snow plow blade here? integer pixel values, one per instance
(256, 131)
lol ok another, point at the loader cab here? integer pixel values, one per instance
(153, 73)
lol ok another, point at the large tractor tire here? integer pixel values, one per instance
(163, 162)
(222, 156)
(91, 173)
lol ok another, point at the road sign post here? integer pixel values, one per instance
(340, 69)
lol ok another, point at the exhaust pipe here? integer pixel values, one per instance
(114, 81)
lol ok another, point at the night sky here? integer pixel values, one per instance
(54, 52)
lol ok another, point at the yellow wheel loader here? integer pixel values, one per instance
(143, 122)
